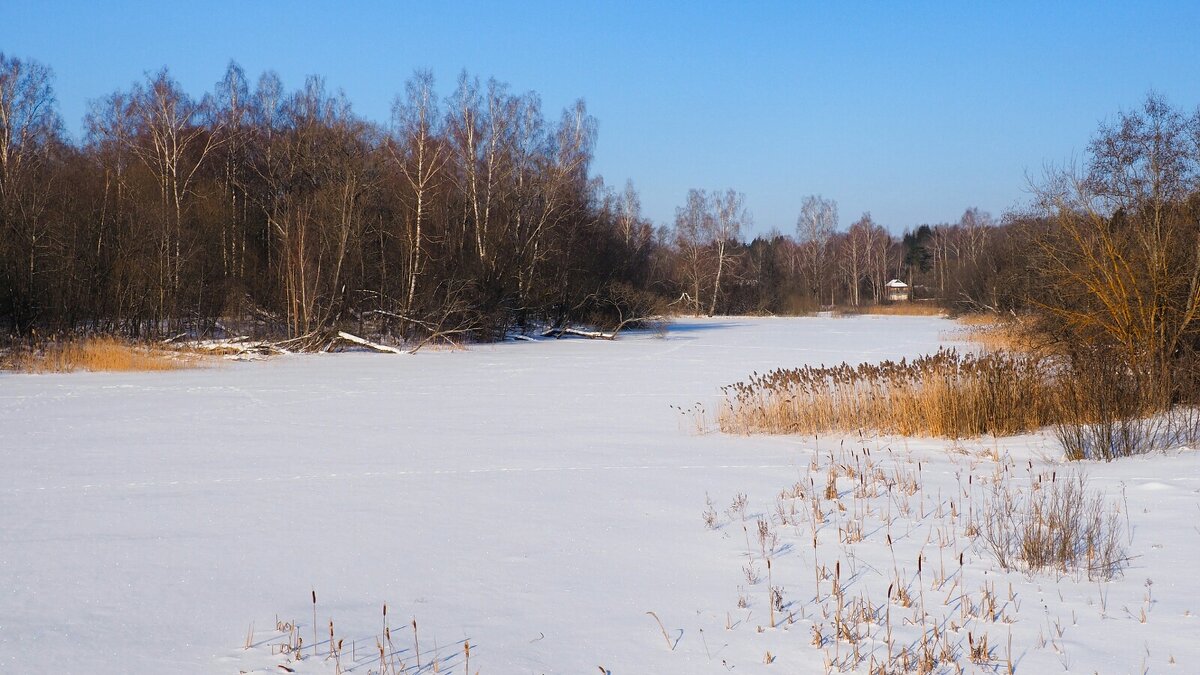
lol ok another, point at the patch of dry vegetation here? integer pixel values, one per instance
(96, 354)
(994, 333)
(1096, 408)
(394, 650)
(980, 319)
(946, 394)
(997, 338)
(899, 309)
(1057, 524)
(939, 607)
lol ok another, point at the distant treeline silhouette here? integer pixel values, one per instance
(257, 209)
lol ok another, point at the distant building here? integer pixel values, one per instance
(897, 291)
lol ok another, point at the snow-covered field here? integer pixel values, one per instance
(538, 499)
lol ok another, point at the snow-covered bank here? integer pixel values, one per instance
(535, 498)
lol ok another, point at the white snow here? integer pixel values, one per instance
(534, 498)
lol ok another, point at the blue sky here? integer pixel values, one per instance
(913, 111)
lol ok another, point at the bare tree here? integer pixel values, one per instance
(852, 260)
(172, 142)
(559, 189)
(876, 243)
(976, 227)
(815, 226)
(267, 120)
(629, 213)
(725, 224)
(1120, 260)
(314, 160)
(691, 228)
(232, 109)
(479, 125)
(29, 128)
(128, 223)
(943, 240)
(421, 155)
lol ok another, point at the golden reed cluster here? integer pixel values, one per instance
(946, 394)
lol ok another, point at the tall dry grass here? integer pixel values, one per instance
(1097, 408)
(95, 354)
(980, 319)
(996, 338)
(898, 309)
(995, 333)
(947, 394)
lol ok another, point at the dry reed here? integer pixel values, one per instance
(946, 394)
(994, 333)
(899, 309)
(97, 354)
(998, 337)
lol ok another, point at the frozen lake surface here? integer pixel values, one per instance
(536, 499)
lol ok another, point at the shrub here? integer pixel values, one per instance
(1058, 524)
(1108, 411)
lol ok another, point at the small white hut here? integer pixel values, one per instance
(896, 291)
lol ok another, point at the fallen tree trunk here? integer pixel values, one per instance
(589, 334)
(560, 331)
(354, 339)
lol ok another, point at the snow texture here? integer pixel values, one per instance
(534, 498)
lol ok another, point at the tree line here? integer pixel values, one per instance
(254, 208)
(285, 209)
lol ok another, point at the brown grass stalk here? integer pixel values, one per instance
(96, 354)
(663, 628)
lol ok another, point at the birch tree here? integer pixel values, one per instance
(29, 128)
(173, 143)
(691, 228)
(729, 216)
(479, 125)
(815, 226)
(421, 156)
(232, 108)
(855, 256)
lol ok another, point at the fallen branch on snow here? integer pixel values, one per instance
(367, 343)
(560, 331)
(590, 334)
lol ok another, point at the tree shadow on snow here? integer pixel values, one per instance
(686, 326)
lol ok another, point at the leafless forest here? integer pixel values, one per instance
(253, 208)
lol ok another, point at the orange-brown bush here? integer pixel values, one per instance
(1114, 253)
(95, 354)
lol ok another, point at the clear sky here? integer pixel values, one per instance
(913, 111)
